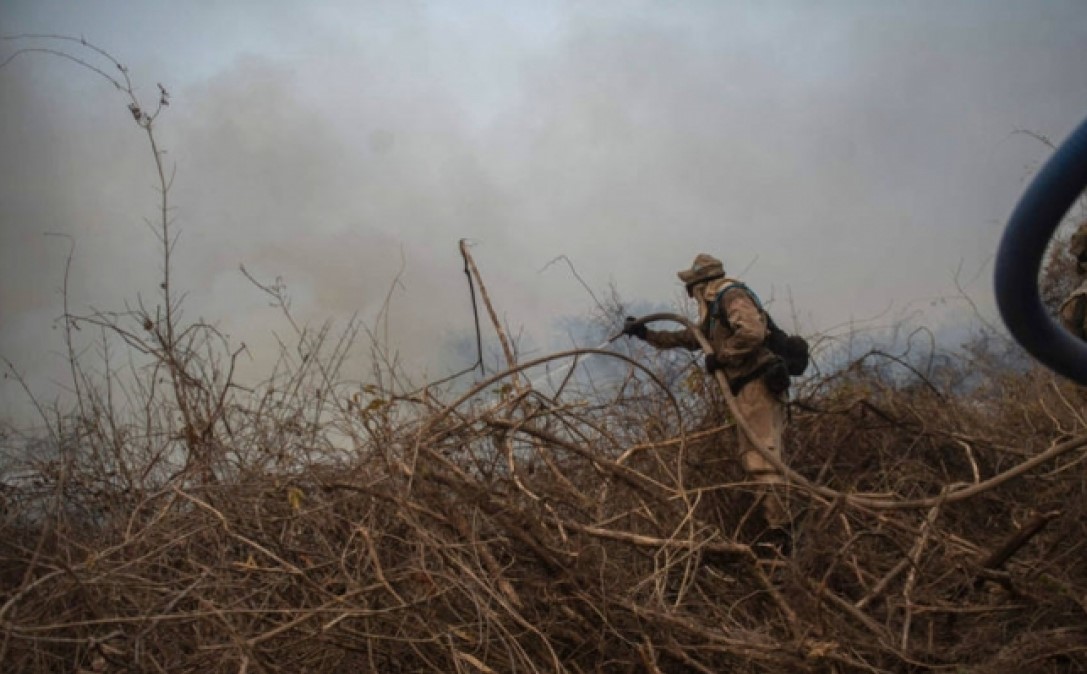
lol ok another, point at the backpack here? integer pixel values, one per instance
(793, 349)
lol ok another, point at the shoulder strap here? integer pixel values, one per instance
(715, 306)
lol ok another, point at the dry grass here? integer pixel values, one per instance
(170, 520)
(501, 529)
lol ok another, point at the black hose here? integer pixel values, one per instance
(1019, 259)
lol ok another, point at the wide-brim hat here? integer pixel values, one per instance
(704, 268)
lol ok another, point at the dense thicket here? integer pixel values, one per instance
(310, 525)
(172, 520)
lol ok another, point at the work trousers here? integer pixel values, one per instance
(764, 413)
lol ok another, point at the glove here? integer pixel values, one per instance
(712, 364)
(632, 328)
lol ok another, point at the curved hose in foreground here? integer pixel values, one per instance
(1019, 259)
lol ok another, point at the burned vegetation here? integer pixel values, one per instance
(169, 519)
(313, 525)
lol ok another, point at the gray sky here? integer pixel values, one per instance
(853, 154)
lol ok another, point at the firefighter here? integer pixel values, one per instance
(1073, 312)
(735, 325)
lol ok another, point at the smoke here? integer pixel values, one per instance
(847, 158)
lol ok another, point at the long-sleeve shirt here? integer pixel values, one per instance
(738, 342)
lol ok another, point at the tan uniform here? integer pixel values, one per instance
(740, 347)
(1073, 313)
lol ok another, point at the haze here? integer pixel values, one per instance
(850, 155)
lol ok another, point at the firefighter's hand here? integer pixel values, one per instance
(632, 328)
(712, 364)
